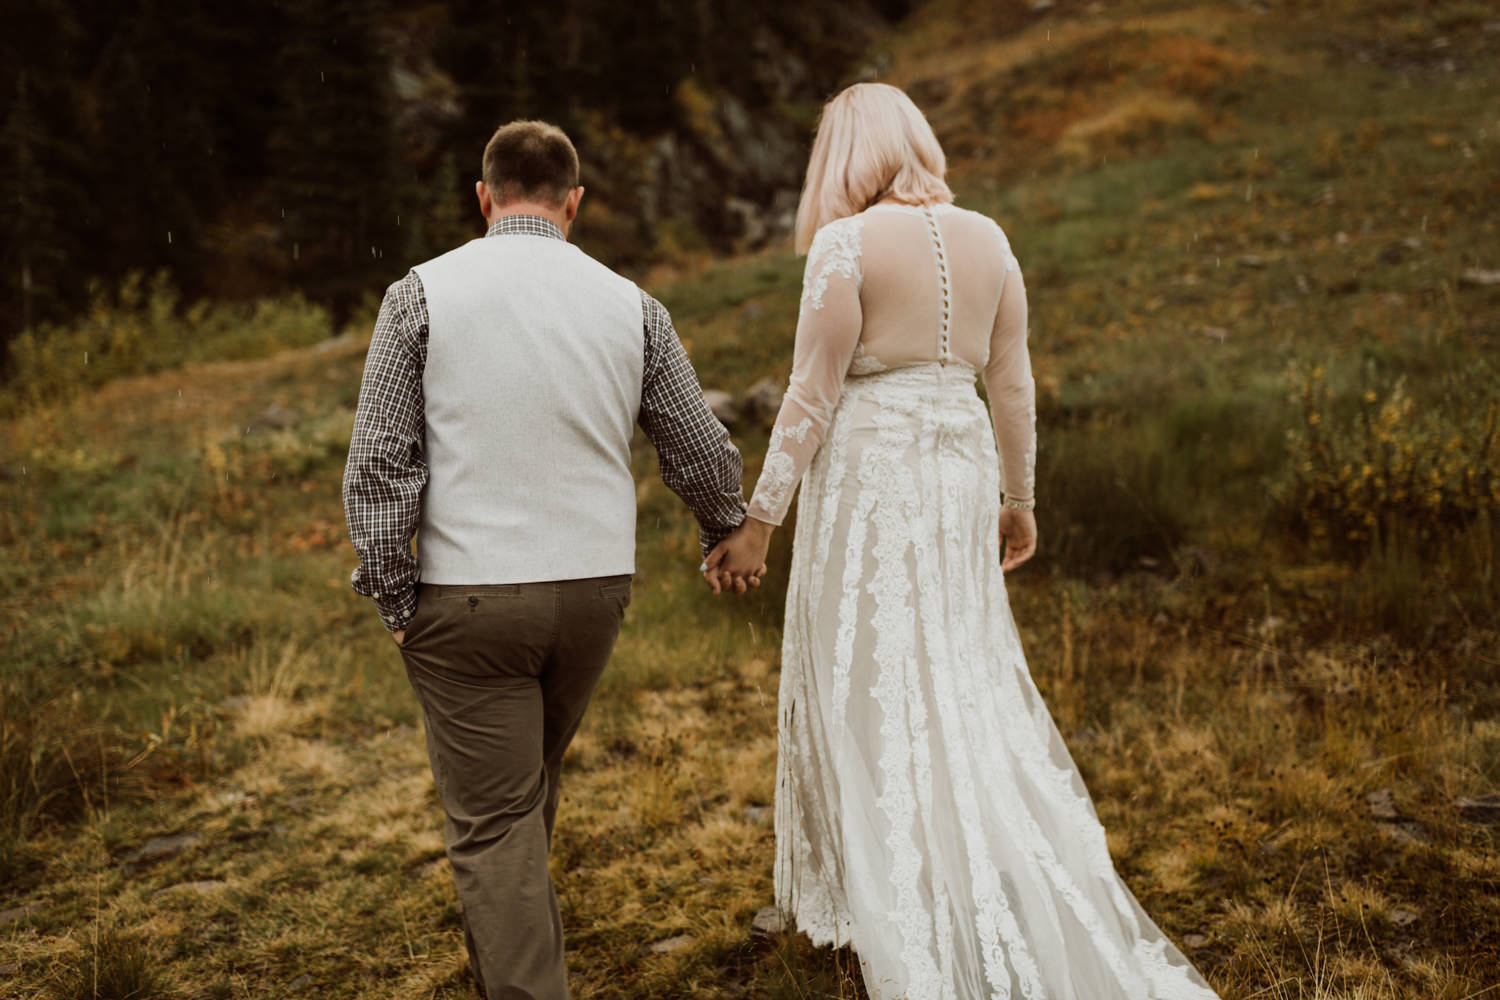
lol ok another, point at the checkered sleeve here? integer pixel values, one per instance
(385, 473)
(698, 461)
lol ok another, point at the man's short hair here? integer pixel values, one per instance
(530, 161)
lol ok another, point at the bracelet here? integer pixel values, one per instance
(1015, 504)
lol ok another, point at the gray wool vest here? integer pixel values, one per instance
(535, 357)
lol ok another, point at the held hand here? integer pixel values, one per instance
(400, 636)
(738, 562)
(1018, 536)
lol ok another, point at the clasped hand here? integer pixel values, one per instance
(737, 563)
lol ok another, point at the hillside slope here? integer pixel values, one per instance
(1264, 615)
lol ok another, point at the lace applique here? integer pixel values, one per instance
(864, 363)
(835, 250)
(778, 476)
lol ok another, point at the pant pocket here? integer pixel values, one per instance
(617, 590)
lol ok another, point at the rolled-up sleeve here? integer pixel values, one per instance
(698, 460)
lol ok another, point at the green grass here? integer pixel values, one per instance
(182, 652)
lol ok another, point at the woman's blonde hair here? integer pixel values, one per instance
(872, 143)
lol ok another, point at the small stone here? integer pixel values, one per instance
(1215, 333)
(672, 945)
(234, 703)
(19, 913)
(722, 405)
(158, 848)
(759, 815)
(768, 921)
(1402, 918)
(1383, 805)
(202, 887)
(1195, 940)
(303, 980)
(273, 418)
(1478, 277)
(10, 969)
(1406, 833)
(1252, 260)
(763, 401)
(1481, 809)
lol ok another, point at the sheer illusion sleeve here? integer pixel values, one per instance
(828, 327)
(1012, 390)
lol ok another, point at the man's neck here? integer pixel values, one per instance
(552, 214)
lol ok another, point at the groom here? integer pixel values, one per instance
(502, 386)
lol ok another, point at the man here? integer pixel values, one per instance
(495, 415)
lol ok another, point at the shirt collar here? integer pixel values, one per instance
(525, 225)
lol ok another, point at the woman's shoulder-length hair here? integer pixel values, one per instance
(872, 143)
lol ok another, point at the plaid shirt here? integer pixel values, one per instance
(386, 472)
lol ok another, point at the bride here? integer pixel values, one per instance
(927, 811)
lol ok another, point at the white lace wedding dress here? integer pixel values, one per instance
(927, 811)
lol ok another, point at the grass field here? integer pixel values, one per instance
(1265, 614)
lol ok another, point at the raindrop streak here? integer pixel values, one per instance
(85, 357)
(169, 237)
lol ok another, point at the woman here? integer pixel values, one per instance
(927, 811)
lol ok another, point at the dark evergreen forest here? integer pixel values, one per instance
(324, 146)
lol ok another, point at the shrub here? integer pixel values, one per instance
(142, 327)
(1384, 466)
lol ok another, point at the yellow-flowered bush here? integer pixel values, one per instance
(1384, 465)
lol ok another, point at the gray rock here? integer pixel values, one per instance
(1479, 277)
(1194, 940)
(303, 980)
(18, 913)
(1402, 918)
(1406, 833)
(763, 401)
(750, 218)
(672, 945)
(723, 406)
(273, 418)
(201, 888)
(759, 815)
(160, 848)
(768, 921)
(1383, 805)
(1481, 809)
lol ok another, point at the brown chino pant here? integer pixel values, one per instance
(504, 673)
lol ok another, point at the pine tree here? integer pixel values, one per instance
(333, 155)
(46, 197)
